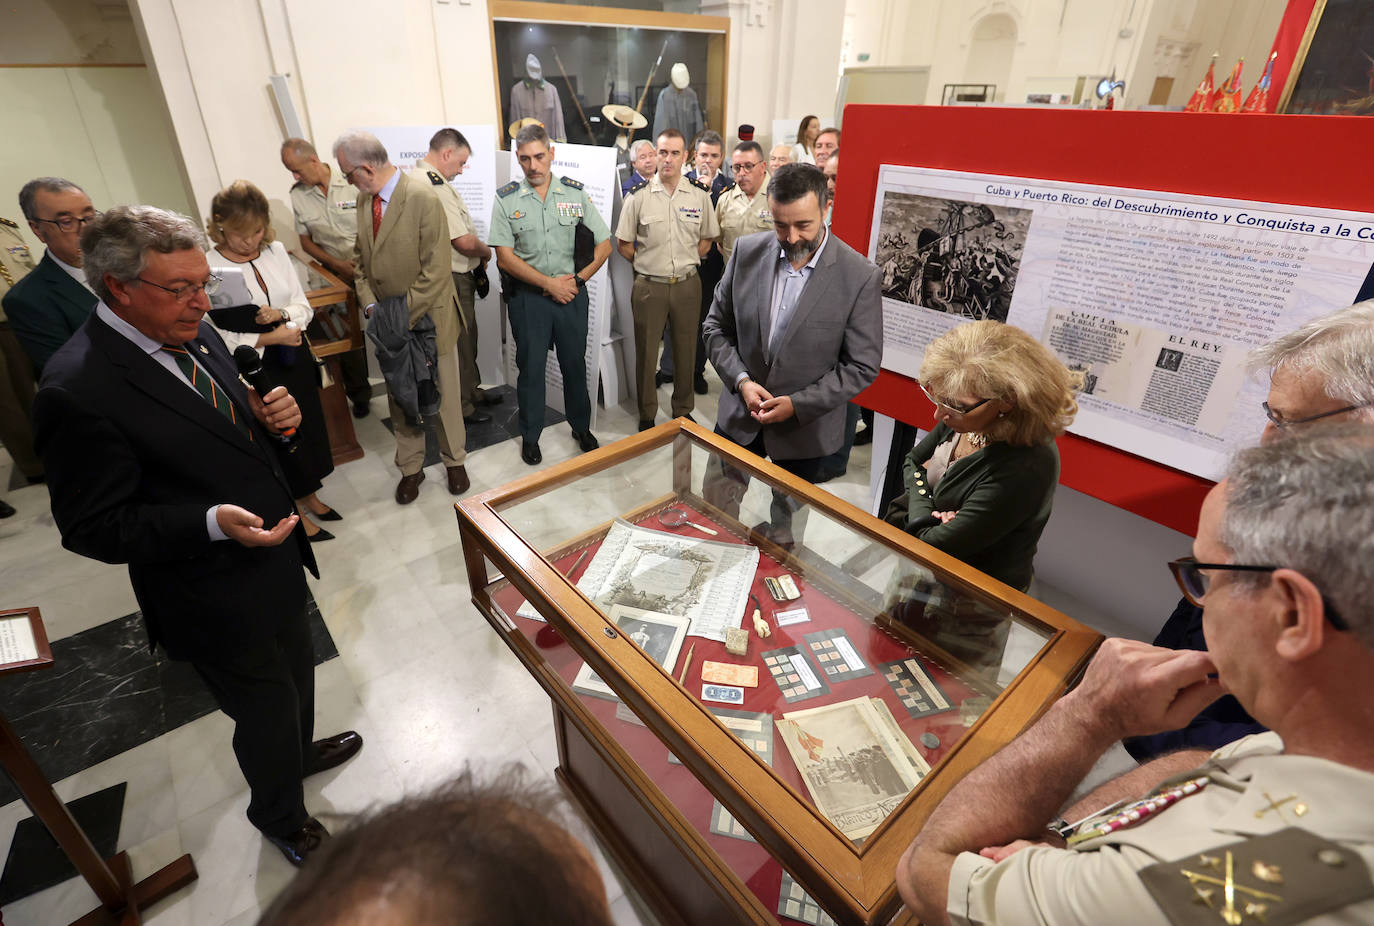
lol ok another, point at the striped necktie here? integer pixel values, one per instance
(209, 390)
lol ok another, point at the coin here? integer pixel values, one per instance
(930, 741)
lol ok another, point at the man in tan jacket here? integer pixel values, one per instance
(402, 250)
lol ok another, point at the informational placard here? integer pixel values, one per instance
(17, 643)
(594, 168)
(1157, 297)
(477, 185)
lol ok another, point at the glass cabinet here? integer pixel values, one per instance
(760, 691)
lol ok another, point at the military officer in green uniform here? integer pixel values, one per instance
(16, 369)
(1275, 828)
(534, 228)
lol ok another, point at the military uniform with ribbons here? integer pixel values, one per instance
(459, 224)
(740, 214)
(1254, 836)
(666, 229)
(16, 369)
(544, 233)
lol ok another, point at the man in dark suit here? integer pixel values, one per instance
(795, 332)
(157, 457)
(46, 307)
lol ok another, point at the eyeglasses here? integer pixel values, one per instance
(187, 293)
(69, 223)
(1282, 422)
(1193, 580)
(348, 174)
(952, 407)
(746, 167)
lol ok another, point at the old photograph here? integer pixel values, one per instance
(949, 255)
(659, 635)
(851, 764)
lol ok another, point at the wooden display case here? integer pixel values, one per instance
(709, 829)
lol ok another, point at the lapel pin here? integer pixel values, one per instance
(204, 349)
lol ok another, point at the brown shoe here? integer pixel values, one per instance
(458, 482)
(408, 489)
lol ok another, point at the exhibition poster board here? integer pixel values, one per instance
(1316, 162)
(477, 185)
(594, 168)
(1158, 298)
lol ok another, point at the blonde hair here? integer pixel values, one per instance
(993, 360)
(240, 207)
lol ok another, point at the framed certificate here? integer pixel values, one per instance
(23, 642)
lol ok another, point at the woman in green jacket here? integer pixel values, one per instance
(981, 484)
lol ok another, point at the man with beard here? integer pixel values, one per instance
(792, 361)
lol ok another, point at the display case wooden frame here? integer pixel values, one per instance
(668, 861)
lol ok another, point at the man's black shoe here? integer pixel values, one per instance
(488, 399)
(661, 379)
(529, 452)
(331, 752)
(586, 440)
(699, 384)
(645, 424)
(6, 509)
(298, 845)
(361, 409)
(476, 418)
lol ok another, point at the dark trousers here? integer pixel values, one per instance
(469, 377)
(537, 322)
(16, 403)
(269, 693)
(724, 486)
(711, 269)
(656, 307)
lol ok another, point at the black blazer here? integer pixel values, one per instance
(46, 308)
(134, 458)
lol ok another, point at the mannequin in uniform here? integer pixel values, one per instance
(678, 107)
(535, 98)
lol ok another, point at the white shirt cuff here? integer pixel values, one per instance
(212, 525)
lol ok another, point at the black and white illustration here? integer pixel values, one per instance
(950, 255)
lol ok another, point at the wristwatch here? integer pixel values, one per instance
(581, 283)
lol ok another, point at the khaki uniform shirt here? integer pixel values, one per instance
(1135, 873)
(15, 259)
(741, 215)
(666, 229)
(459, 221)
(330, 220)
(541, 232)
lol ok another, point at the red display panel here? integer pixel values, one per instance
(1300, 160)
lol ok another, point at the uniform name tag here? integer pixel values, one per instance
(570, 210)
(347, 204)
(21, 251)
(689, 212)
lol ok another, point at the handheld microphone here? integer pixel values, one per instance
(250, 368)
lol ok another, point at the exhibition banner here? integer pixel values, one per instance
(477, 185)
(1157, 297)
(594, 168)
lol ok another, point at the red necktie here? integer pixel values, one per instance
(376, 214)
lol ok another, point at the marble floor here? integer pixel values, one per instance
(419, 674)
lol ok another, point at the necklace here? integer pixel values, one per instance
(976, 439)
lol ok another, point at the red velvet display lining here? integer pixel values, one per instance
(759, 870)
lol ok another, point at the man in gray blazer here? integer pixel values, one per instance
(795, 332)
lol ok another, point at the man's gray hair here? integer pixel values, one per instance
(28, 193)
(1337, 349)
(634, 149)
(362, 147)
(532, 132)
(1306, 502)
(117, 242)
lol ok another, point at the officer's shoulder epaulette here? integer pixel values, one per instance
(699, 185)
(569, 181)
(509, 188)
(434, 178)
(6, 222)
(638, 185)
(729, 185)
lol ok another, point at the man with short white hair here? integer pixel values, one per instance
(1321, 372)
(402, 249)
(780, 155)
(1274, 828)
(645, 162)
